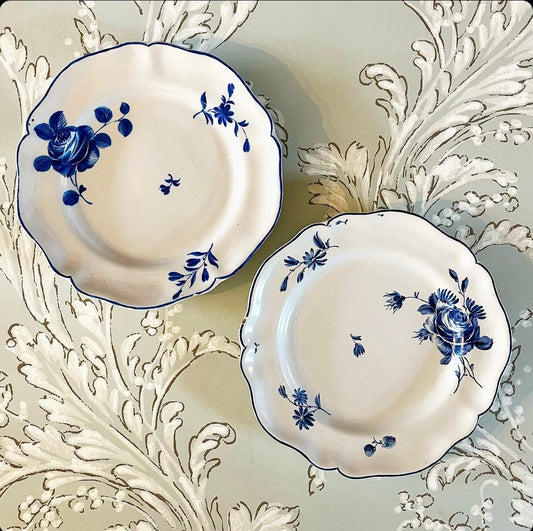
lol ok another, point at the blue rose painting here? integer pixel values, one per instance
(452, 324)
(76, 148)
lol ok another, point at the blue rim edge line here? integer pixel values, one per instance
(216, 280)
(327, 224)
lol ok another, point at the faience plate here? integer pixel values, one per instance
(148, 174)
(372, 343)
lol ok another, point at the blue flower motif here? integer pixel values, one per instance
(70, 148)
(314, 258)
(73, 149)
(358, 349)
(224, 115)
(394, 301)
(370, 450)
(311, 259)
(386, 442)
(452, 326)
(299, 396)
(303, 417)
(304, 414)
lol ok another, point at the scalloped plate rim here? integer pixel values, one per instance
(244, 346)
(217, 279)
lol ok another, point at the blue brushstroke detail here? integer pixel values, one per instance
(196, 262)
(224, 115)
(165, 188)
(358, 348)
(386, 442)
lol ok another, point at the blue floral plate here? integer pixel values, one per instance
(372, 343)
(148, 173)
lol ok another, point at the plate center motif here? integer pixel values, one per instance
(130, 212)
(322, 357)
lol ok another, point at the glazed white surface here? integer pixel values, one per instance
(398, 386)
(123, 245)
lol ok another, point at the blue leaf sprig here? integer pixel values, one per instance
(358, 349)
(165, 188)
(315, 257)
(224, 115)
(304, 414)
(105, 116)
(197, 264)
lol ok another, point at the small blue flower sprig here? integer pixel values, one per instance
(224, 115)
(315, 257)
(386, 442)
(73, 149)
(452, 326)
(304, 414)
(196, 262)
(165, 188)
(358, 349)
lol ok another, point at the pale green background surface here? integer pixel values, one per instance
(306, 57)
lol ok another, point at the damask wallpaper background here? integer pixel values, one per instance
(118, 419)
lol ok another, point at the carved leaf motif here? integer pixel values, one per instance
(267, 517)
(50, 353)
(424, 188)
(201, 25)
(180, 21)
(171, 362)
(202, 445)
(470, 459)
(37, 79)
(170, 418)
(232, 15)
(505, 233)
(343, 180)
(6, 395)
(91, 38)
(474, 68)
(12, 50)
(522, 512)
(394, 85)
(460, 170)
(317, 480)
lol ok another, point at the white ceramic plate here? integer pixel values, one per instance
(148, 174)
(372, 343)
